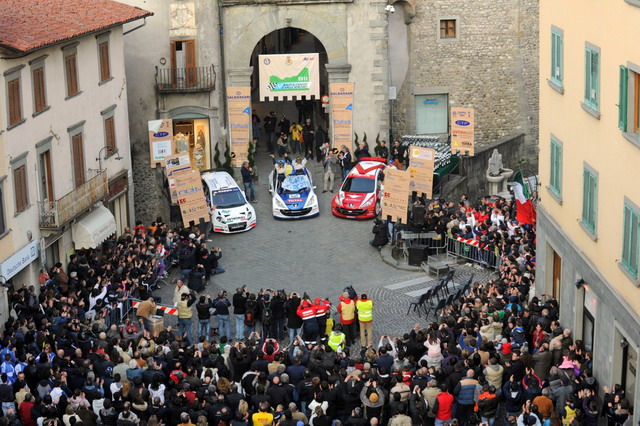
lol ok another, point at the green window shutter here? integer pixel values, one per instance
(556, 168)
(631, 242)
(594, 201)
(622, 102)
(595, 71)
(587, 76)
(559, 53)
(585, 196)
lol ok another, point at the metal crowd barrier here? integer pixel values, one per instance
(474, 253)
(119, 313)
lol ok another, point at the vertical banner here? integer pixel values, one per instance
(462, 130)
(239, 107)
(160, 140)
(173, 165)
(190, 195)
(341, 98)
(289, 76)
(395, 201)
(421, 167)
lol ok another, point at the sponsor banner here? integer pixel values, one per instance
(239, 106)
(421, 167)
(395, 201)
(462, 130)
(175, 164)
(291, 76)
(341, 98)
(160, 140)
(190, 196)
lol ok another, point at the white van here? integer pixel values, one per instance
(230, 210)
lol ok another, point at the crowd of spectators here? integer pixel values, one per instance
(497, 355)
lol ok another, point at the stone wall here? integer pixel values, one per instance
(474, 168)
(492, 66)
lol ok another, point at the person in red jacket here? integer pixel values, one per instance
(25, 410)
(347, 310)
(307, 311)
(443, 407)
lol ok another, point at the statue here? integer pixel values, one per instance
(497, 176)
(181, 143)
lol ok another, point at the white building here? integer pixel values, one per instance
(65, 178)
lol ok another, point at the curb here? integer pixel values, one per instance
(387, 258)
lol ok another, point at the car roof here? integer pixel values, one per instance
(219, 180)
(366, 169)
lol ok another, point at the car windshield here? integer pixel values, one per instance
(295, 183)
(228, 198)
(359, 185)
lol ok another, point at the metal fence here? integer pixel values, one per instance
(117, 314)
(473, 253)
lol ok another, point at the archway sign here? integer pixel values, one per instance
(289, 76)
(341, 99)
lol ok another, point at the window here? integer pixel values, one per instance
(15, 101)
(555, 178)
(447, 28)
(183, 63)
(103, 56)
(631, 238)
(21, 188)
(109, 130)
(629, 102)
(39, 94)
(71, 69)
(592, 78)
(77, 152)
(557, 42)
(432, 114)
(589, 199)
(46, 176)
(3, 218)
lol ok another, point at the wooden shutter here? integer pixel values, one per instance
(78, 159)
(105, 70)
(20, 184)
(15, 103)
(174, 65)
(47, 174)
(623, 98)
(189, 47)
(110, 134)
(40, 99)
(72, 75)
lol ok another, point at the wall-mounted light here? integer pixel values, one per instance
(582, 283)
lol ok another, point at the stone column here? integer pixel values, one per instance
(239, 76)
(336, 73)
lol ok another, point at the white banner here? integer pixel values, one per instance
(290, 76)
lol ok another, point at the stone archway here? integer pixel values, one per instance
(242, 36)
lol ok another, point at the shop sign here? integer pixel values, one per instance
(117, 188)
(20, 259)
(462, 131)
(160, 140)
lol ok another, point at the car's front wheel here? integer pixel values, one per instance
(378, 208)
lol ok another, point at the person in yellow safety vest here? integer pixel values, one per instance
(337, 339)
(365, 315)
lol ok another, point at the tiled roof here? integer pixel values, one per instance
(27, 25)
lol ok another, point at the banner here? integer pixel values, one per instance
(291, 76)
(190, 196)
(174, 164)
(160, 140)
(421, 167)
(239, 106)
(395, 201)
(341, 98)
(462, 130)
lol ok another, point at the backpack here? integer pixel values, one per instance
(249, 317)
(267, 315)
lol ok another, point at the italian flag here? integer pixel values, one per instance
(525, 211)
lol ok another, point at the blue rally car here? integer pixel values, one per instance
(292, 195)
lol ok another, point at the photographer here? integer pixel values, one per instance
(277, 306)
(239, 301)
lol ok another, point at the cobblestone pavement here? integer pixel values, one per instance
(319, 256)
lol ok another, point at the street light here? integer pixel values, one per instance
(109, 149)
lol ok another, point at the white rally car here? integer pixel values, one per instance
(232, 212)
(293, 196)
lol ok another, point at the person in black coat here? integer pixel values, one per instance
(196, 282)
(294, 322)
(381, 234)
(239, 302)
(381, 150)
(277, 308)
(320, 139)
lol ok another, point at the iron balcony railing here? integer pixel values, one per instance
(54, 214)
(185, 80)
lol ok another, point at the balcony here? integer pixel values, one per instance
(55, 214)
(185, 80)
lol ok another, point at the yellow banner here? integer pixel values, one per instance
(239, 106)
(421, 167)
(395, 202)
(341, 98)
(160, 140)
(462, 130)
(289, 76)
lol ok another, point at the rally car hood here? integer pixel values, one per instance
(295, 201)
(234, 214)
(353, 199)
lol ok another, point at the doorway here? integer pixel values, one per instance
(557, 276)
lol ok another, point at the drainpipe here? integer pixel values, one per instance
(223, 76)
(144, 22)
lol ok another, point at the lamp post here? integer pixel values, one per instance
(109, 149)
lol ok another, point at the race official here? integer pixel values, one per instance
(337, 339)
(364, 307)
(347, 310)
(307, 311)
(322, 307)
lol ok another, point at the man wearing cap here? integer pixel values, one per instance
(307, 311)
(347, 310)
(364, 306)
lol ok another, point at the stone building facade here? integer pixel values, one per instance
(488, 61)
(490, 65)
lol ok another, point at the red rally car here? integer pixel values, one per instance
(360, 195)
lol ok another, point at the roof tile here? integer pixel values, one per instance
(34, 24)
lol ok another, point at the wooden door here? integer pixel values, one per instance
(189, 47)
(557, 275)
